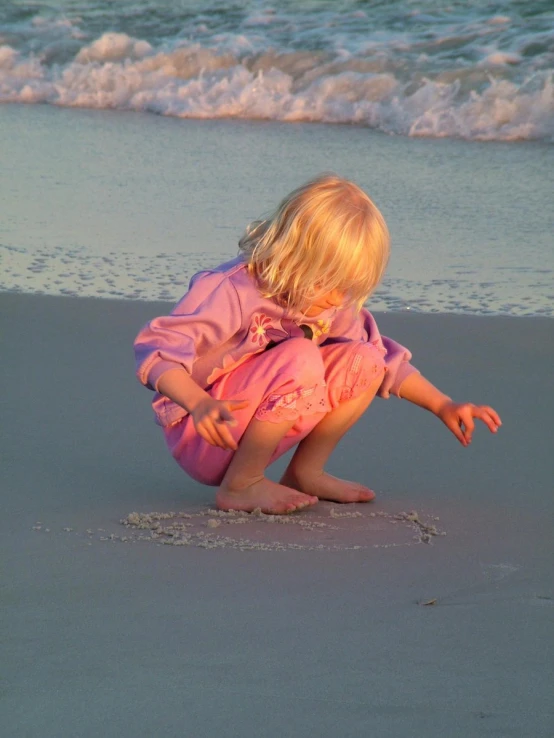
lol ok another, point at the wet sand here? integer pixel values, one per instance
(124, 205)
(332, 631)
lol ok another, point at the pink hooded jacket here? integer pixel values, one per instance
(223, 320)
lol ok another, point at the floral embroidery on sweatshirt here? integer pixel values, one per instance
(258, 329)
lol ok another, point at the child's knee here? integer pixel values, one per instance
(372, 360)
(364, 366)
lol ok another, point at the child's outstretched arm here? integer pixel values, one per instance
(211, 417)
(457, 416)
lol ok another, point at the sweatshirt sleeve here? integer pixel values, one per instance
(209, 314)
(352, 326)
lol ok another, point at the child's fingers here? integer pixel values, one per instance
(214, 425)
(466, 421)
(209, 430)
(226, 437)
(460, 420)
(453, 425)
(237, 404)
(461, 424)
(468, 428)
(226, 414)
(220, 429)
(489, 417)
(220, 436)
(223, 436)
(206, 432)
(494, 415)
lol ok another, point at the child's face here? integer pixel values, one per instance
(335, 298)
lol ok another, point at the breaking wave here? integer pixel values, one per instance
(436, 75)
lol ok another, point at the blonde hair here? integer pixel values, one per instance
(326, 235)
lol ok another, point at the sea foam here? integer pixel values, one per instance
(436, 72)
(124, 275)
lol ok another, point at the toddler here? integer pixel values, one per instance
(274, 349)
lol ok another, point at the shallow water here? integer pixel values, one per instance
(112, 204)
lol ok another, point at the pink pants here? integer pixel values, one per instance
(295, 380)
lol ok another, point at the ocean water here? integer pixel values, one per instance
(475, 69)
(138, 138)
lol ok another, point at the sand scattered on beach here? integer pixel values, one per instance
(331, 528)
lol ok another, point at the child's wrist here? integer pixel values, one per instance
(440, 404)
(194, 402)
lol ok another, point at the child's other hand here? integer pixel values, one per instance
(212, 419)
(458, 418)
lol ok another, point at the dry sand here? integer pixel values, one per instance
(344, 621)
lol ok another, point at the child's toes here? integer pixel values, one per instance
(366, 495)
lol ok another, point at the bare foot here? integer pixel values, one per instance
(263, 494)
(326, 487)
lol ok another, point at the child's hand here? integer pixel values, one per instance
(458, 417)
(212, 419)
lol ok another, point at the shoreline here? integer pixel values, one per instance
(133, 205)
(164, 305)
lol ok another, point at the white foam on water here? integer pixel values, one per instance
(127, 275)
(122, 275)
(435, 72)
(198, 82)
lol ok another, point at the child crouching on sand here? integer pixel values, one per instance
(273, 350)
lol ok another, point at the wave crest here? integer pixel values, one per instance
(196, 81)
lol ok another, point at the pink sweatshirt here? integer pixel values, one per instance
(223, 320)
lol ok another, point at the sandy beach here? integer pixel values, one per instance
(314, 630)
